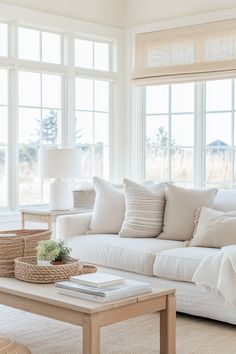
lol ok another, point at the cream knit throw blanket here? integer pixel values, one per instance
(218, 273)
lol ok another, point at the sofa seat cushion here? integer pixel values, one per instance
(134, 255)
(180, 263)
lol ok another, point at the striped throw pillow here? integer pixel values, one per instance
(144, 210)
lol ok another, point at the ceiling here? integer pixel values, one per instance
(125, 13)
(144, 11)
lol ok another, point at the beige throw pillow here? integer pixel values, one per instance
(144, 210)
(180, 208)
(109, 208)
(214, 229)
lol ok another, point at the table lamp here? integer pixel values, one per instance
(59, 164)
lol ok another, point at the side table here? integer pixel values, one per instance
(45, 215)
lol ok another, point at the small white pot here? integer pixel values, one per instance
(42, 263)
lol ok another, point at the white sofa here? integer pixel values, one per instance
(163, 263)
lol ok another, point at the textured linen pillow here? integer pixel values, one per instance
(144, 210)
(109, 208)
(180, 208)
(214, 229)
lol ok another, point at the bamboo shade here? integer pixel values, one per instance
(191, 53)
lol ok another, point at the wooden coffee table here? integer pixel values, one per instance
(45, 301)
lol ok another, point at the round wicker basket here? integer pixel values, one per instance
(26, 269)
(10, 346)
(18, 243)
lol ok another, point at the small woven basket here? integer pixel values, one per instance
(18, 243)
(26, 269)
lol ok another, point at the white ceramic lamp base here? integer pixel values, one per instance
(60, 195)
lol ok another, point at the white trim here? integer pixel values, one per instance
(51, 22)
(9, 217)
(137, 135)
(207, 17)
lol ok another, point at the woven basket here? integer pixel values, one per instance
(23, 243)
(88, 269)
(26, 269)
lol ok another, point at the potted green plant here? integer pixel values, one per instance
(50, 252)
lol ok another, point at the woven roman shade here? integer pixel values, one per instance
(198, 52)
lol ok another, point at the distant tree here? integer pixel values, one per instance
(78, 137)
(27, 153)
(49, 128)
(159, 139)
(2, 157)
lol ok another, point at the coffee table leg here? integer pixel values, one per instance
(91, 336)
(168, 327)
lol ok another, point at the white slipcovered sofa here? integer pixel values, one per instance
(163, 263)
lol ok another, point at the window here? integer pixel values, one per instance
(220, 137)
(39, 121)
(39, 46)
(3, 136)
(190, 133)
(92, 126)
(92, 55)
(49, 99)
(169, 132)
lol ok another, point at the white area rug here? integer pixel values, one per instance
(137, 336)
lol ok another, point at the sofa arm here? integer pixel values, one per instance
(72, 225)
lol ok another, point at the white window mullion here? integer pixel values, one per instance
(111, 126)
(13, 149)
(232, 132)
(93, 146)
(199, 135)
(137, 134)
(203, 137)
(169, 135)
(41, 120)
(68, 101)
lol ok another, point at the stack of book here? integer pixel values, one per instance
(101, 287)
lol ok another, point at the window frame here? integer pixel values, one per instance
(93, 111)
(94, 40)
(7, 106)
(69, 72)
(200, 147)
(41, 108)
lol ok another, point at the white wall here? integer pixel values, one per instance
(107, 12)
(144, 11)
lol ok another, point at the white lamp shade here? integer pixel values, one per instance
(59, 163)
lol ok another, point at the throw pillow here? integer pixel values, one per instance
(214, 229)
(180, 208)
(109, 208)
(144, 210)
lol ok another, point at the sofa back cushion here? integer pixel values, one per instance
(109, 208)
(181, 205)
(144, 210)
(225, 200)
(214, 228)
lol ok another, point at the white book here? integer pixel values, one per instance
(132, 287)
(102, 300)
(97, 280)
